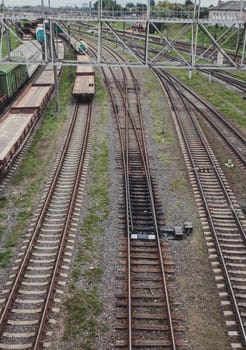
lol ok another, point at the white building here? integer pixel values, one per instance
(231, 11)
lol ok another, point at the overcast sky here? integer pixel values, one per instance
(57, 3)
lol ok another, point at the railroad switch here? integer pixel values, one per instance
(177, 232)
(188, 227)
(143, 236)
(168, 231)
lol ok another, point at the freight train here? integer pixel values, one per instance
(79, 46)
(84, 84)
(40, 34)
(17, 123)
(13, 76)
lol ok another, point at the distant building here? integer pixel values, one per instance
(232, 11)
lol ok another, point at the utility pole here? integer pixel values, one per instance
(99, 10)
(146, 56)
(53, 59)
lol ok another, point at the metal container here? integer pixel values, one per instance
(40, 33)
(46, 78)
(79, 46)
(13, 130)
(84, 84)
(33, 98)
(30, 51)
(12, 76)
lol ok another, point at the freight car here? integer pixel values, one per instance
(13, 76)
(30, 51)
(14, 129)
(3, 101)
(84, 84)
(60, 51)
(40, 31)
(34, 98)
(16, 124)
(40, 34)
(47, 76)
(78, 45)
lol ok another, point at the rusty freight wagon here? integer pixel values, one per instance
(35, 98)
(12, 77)
(13, 130)
(84, 84)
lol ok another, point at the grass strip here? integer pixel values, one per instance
(228, 102)
(83, 307)
(29, 179)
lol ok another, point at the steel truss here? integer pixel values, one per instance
(212, 56)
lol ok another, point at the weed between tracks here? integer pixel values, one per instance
(84, 306)
(196, 289)
(17, 207)
(161, 132)
(227, 101)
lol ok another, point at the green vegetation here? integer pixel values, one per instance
(2, 229)
(14, 43)
(84, 306)
(3, 201)
(230, 38)
(178, 184)
(161, 133)
(238, 75)
(32, 166)
(4, 257)
(227, 101)
(3, 216)
(109, 5)
(30, 176)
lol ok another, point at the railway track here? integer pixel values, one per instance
(222, 219)
(227, 78)
(32, 295)
(146, 317)
(233, 138)
(221, 76)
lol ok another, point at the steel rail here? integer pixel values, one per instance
(34, 237)
(213, 228)
(155, 219)
(127, 191)
(125, 161)
(65, 230)
(143, 152)
(130, 227)
(215, 168)
(211, 108)
(236, 133)
(239, 84)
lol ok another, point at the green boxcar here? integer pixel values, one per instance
(12, 76)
